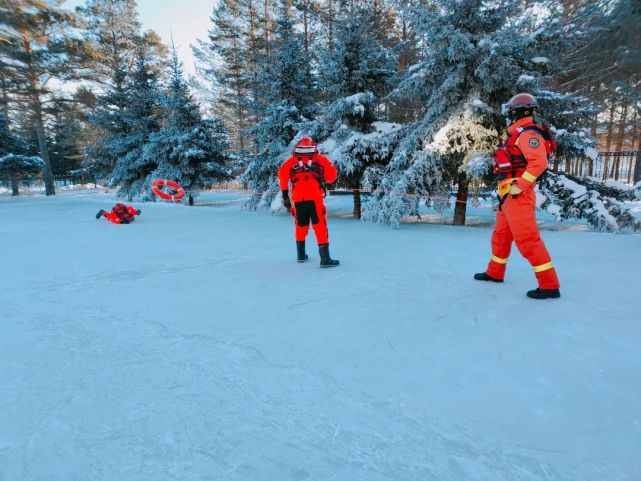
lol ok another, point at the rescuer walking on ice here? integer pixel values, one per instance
(308, 171)
(521, 160)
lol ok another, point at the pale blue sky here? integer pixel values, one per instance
(187, 20)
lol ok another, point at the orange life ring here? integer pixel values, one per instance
(179, 191)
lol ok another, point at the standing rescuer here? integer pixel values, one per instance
(308, 171)
(521, 160)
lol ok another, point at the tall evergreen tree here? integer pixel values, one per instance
(67, 133)
(355, 76)
(112, 29)
(37, 45)
(225, 61)
(189, 150)
(113, 32)
(478, 54)
(141, 118)
(284, 88)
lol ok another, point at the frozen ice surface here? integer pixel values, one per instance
(191, 346)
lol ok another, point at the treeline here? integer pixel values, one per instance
(404, 95)
(131, 118)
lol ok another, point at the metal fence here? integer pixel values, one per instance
(620, 166)
(35, 185)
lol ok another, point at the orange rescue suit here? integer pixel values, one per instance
(515, 219)
(124, 217)
(307, 173)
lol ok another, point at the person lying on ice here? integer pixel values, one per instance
(522, 159)
(308, 171)
(120, 214)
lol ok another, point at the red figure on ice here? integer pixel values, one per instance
(308, 171)
(120, 214)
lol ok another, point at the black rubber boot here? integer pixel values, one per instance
(482, 276)
(326, 260)
(544, 293)
(99, 214)
(300, 248)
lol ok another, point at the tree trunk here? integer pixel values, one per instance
(608, 144)
(357, 203)
(637, 168)
(461, 199)
(254, 54)
(191, 199)
(330, 26)
(267, 25)
(619, 147)
(595, 124)
(39, 126)
(14, 185)
(4, 99)
(635, 127)
(305, 29)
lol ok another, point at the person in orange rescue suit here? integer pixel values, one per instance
(308, 171)
(120, 214)
(521, 160)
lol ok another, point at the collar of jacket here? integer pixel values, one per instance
(519, 123)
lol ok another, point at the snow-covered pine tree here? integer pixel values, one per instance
(404, 110)
(189, 150)
(477, 54)
(568, 197)
(13, 150)
(354, 77)
(66, 134)
(113, 31)
(287, 102)
(10, 143)
(141, 118)
(112, 28)
(226, 66)
(17, 166)
(38, 43)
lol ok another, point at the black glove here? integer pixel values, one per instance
(286, 202)
(138, 212)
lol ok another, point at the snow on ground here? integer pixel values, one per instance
(191, 346)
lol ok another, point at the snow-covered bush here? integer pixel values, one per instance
(16, 167)
(568, 197)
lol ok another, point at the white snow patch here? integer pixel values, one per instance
(385, 127)
(591, 153)
(540, 60)
(524, 78)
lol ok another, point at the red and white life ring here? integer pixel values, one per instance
(178, 194)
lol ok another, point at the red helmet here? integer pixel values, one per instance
(305, 146)
(119, 208)
(520, 101)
